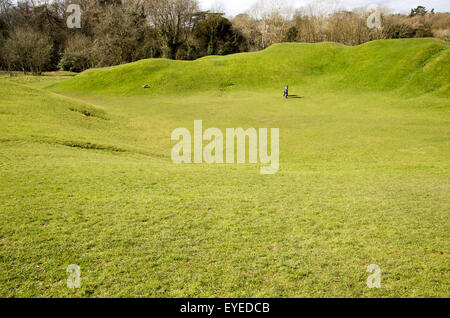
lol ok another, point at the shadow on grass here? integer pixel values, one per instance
(295, 96)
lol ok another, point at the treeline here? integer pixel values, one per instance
(34, 36)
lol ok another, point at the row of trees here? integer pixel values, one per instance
(34, 36)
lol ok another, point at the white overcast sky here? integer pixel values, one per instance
(233, 7)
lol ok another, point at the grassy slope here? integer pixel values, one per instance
(414, 65)
(363, 177)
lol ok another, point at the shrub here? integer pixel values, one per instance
(227, 48)
(77, 57)
(28, 51)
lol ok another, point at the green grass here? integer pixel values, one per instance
(86, 177)
(411, 66)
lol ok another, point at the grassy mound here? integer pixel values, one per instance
(414, 66)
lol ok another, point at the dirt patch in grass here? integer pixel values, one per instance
(88, 145)
(90, 112)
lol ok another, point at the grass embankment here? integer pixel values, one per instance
(413, 66)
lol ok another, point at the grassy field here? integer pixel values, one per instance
(86, 176)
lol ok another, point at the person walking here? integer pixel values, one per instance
(286, 91)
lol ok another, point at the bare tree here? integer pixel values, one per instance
(274, 17)
(28, 50)
(5, 7)
(173, 19)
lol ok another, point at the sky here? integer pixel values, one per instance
(233, 7)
